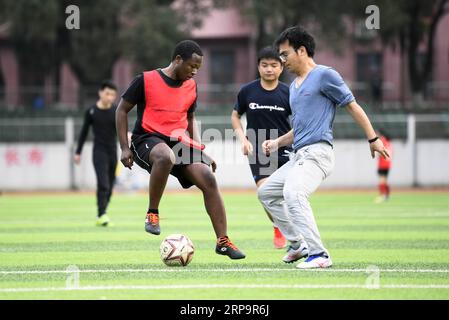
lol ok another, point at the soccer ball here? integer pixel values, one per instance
(176, 250)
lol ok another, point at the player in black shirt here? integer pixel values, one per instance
(101, 117)
(266, 104)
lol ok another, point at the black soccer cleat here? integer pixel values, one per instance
(226, 248)
(152, 224)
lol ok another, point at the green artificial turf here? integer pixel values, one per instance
(406, 239)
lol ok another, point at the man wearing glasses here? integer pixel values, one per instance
(315, 95)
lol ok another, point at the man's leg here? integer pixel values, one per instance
(101, 165)
(387, 188)
(271, 196)
(384, 189)
(201, 175)
(279, 239)
(259, 184)
(111, 172)
(381, 187)
(162, 160)
(100, 159)
(309, 170)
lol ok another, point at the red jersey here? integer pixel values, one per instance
(384, 164)
(166, 108)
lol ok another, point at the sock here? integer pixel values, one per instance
(387, 190)
(382, 188)
(222, 239)
(155, 211)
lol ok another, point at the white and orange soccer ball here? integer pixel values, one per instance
(176, 250)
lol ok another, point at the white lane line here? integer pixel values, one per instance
(175, 270)
(225, 286)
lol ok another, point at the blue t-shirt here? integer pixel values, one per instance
(265, 110)
(314, 104)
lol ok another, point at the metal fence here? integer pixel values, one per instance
(399, 126)
(421, 148)
(214, 98)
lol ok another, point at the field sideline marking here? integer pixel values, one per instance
(174, 270)
(226, 286)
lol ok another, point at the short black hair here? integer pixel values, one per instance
(268, 53)
(185, 49)
(108, 84)
(297, 36)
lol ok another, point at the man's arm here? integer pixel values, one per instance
(121, 122)
(247, 147)
(83, 135)
(192, 127)
(360, 117)
(286, 139)
(270, 146)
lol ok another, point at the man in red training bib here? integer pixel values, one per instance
(166, 140)
(383, 168)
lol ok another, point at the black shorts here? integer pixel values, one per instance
(141, 146)
(383, 172)
(262, 171)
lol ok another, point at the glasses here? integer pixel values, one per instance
(283, 56)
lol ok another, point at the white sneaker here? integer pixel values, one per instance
(315, 262)
(296, 254)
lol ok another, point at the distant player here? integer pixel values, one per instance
(315, 95)
(383, 167)
(101, 116)
(166, 140)
(265, 103)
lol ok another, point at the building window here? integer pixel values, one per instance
(369, 75)
(222, 69)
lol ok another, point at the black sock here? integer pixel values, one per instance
(155, 211)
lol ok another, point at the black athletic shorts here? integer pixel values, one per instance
(261, 171)
(383, 172)
(141, 146)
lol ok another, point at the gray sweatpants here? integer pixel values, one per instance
(286, 193)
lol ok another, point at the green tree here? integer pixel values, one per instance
(32, 31)
(151, 28)
(142, 30)
(271, 17)
(92, 50)
(417, 25)
(404, 23)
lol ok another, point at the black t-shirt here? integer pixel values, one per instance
(135, 94)
(103, 126)
(268, 110)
